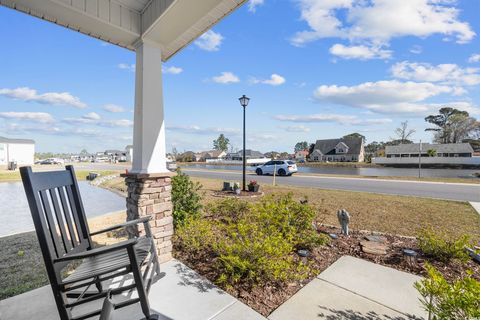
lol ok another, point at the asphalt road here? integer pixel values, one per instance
(438, 190)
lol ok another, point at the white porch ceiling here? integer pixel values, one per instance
(171, 24)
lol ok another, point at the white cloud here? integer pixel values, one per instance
(20, 128)
(384, 96)
(209, 41)
(443, 73)
(194, 129)
(124, 123)
(113, 108)
(52, 98)
(126, 66)
(226, 78)
(253, 4)
(41, 117)
(92, 116)
(336, 118)
(416, 49)
(275, 80)
(172, 70)
(474, 58)
(377, 22)
(299, 128)
(360, 52)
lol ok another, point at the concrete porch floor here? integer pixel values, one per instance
(180, 294)
(349, 289)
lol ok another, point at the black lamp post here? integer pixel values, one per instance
(244, 102)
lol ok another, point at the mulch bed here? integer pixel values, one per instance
(265, 298)
(243, 194)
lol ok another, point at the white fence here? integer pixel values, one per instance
(468, 161)
(239, 162)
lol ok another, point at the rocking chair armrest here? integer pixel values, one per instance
(122, 225)
(98, 251)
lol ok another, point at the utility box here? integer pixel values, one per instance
(12, 165)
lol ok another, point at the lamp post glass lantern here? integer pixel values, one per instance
(244, 103)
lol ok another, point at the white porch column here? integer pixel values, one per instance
(149, 127)
(149, 181)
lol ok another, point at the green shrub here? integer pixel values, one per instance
(441, 247)
(260, 239)
(445, 301)
(195, 234)
(228, 209)
(185, 197)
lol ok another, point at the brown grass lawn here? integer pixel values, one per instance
(21, 266)
(400, 215)
(7, 176)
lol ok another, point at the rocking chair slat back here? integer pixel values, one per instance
(57, 212)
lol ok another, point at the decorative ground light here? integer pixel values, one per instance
(410, 257)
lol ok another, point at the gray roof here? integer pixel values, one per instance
(21, 141)
(327, 147)
(251, 153)
(440, 148)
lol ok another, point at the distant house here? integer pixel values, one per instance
(454, 150)
(211, 155)
(249, 154)
(116, 155)
(440, 155)
(188, 156)
(170, 157)
(129, 153)
(21, 151)
(348, 149)
(301, 155)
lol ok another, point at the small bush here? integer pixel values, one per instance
(195, 235)
(228, 209)
(261, 238)
(442, 248)
(185, 197)
(445, 301)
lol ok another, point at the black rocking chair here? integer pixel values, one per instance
(64, 237)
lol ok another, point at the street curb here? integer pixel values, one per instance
(476, 206)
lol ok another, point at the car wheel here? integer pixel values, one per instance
(259, 172)
(282, 172)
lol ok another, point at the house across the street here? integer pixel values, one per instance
(453, 150)
(349, 149)
(301, 155)
(211, 155)
(451, 154)
(249, 154)
(21, 151)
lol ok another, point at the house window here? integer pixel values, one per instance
(315, 158)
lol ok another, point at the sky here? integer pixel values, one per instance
(314, 69)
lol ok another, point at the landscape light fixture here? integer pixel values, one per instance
(244, 103)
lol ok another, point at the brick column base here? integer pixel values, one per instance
(150, 195)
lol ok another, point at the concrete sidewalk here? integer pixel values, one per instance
(353, 288)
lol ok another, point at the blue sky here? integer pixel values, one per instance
(313, 69)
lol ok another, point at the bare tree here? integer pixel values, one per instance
(403, 133)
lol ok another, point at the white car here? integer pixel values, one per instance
(282, 167)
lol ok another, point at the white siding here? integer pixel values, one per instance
(3, 153)
(22, 153)
(428, 160)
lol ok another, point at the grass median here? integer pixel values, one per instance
(400, 215)
(12, 176)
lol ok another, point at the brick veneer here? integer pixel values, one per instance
(150, 195)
